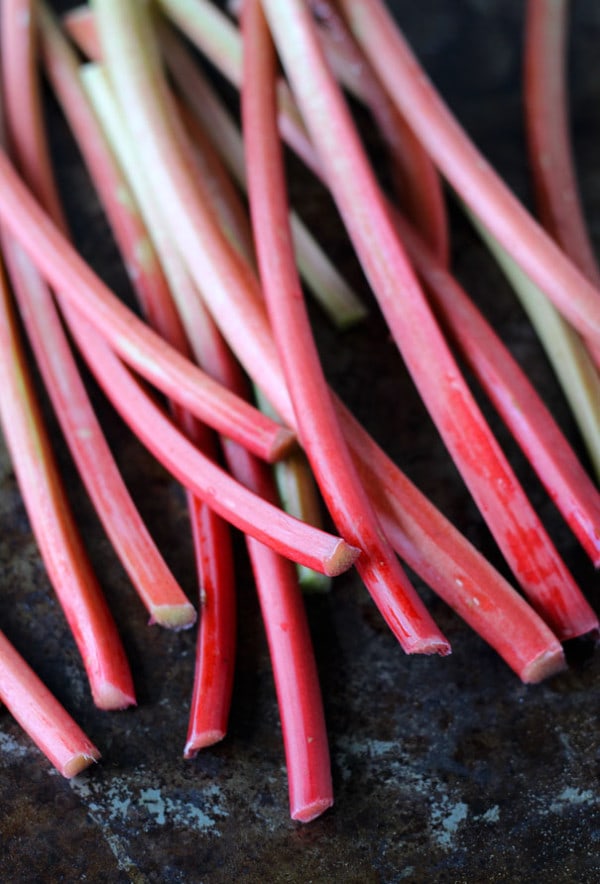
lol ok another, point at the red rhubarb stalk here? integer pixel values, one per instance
(164, 600)
(292, 657)
(415, 177)
(53, 525)
(517, 529)
(514, 397)
(317, 422)
(468, 172)
(41, 715)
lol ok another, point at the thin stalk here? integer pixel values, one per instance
(490, 479)
(216, 643)
(321, 436)
(416, 180)
(41, 716)
(53, 525)
(162, 597)
(468, 172)
(299, 496)
(547, 123)
(547, 126)
(514, 397)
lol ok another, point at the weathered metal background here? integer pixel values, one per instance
(445, 770)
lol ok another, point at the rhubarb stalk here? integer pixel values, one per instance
(517, 529)
(468, 172)
(41, 715)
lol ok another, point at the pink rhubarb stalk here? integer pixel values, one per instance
(468, 172)
(41, 716)
(53, 525)
(317, 422)
(517, 529)
(415, 177)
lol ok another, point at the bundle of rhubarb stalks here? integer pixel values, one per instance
(218, 374)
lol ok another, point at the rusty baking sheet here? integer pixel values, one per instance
(444, 769)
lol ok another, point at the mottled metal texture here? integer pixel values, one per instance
(445, 770)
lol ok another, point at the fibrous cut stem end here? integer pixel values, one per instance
(173, 616)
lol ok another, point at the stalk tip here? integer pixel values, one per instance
(306, 812)
(176, 617)
(202, 741)
(80, 762)
(284, 442)
(342, 557)
(546, 664)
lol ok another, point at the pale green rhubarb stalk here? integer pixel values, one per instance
(559, 205)
(318, 428)
(509, 515)
(331, 291)
(53, 525)
(393, 495)
(214, 557)
(571, 361)
(162, 597)
(468, 172)
(294, 668)
(513, 396)
(292, 473)
(215, 34)
(41, 716)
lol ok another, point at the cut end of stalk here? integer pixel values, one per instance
(174, 617)
(341, 559)
(434, 645)
(284, 442)
(80, 762)
(308, 812)
(545, 665)
(110, 698)
(202, 741)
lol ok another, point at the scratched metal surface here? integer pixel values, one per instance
(444, 770)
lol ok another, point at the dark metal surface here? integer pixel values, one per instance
(445, 769)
